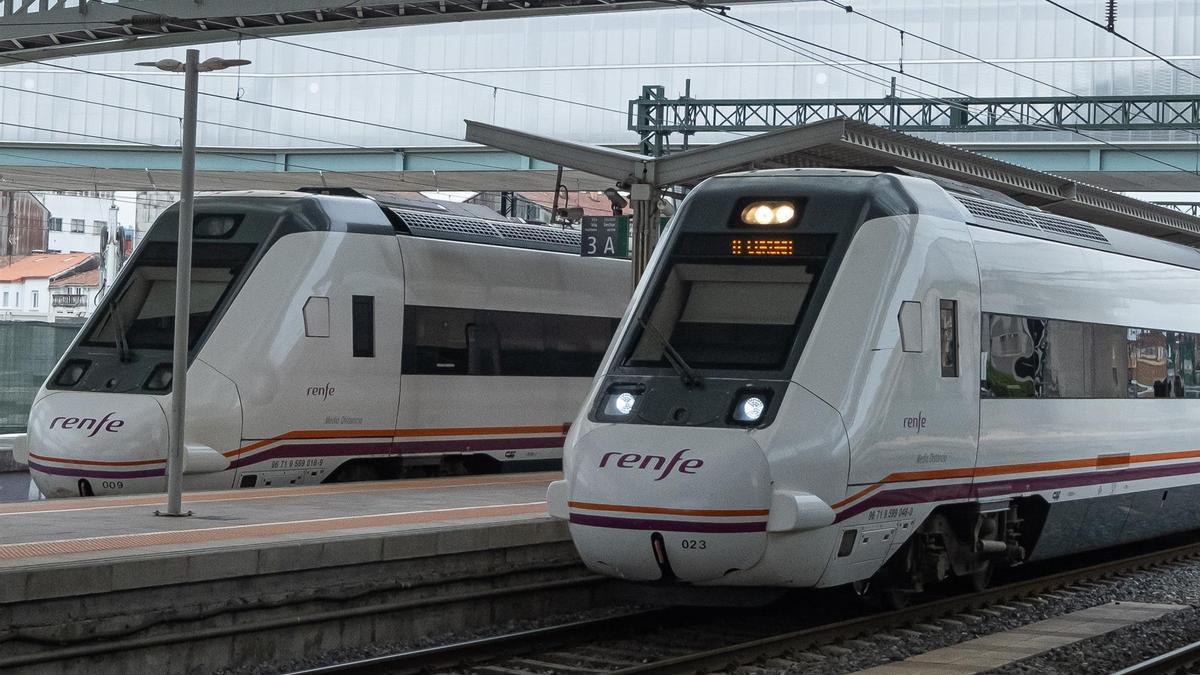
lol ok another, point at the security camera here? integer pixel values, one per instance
(618, 202)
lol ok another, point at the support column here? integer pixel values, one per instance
(644, 225)
(11, 239)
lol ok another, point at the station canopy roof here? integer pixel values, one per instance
(846, 143)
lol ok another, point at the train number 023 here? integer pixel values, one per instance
(694, 543)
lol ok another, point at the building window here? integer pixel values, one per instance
(17, 299)
(33, 298)
(77, 225)
(6, 298)
(98, 226)
(56, 224)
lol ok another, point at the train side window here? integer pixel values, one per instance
(363, 324)
(948, 327)
(316, 317)
(483, 349)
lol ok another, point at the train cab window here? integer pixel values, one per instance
(316, 317)
(727, 316)
(948, 327)
(363, 324)
(143, 315)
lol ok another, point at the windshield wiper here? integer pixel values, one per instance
(686, 373)
(123, 351)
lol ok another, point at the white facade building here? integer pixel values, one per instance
(76, 221)
(73, 295)
(25, 283)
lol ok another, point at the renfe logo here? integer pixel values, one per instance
(89, 423)
(633, 460)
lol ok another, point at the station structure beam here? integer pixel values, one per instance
(34, 30)
(654, 117)
(843, 143)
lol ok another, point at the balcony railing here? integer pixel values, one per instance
(69, 301)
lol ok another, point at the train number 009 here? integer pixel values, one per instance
(112, 485)
(694, 543)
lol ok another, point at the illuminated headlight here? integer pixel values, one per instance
(749, 407)
(620, 404)
(768, 213)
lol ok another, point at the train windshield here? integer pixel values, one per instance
(730, 311)
(143, 314)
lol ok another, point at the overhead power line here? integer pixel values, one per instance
(721, 14)
(1110, 29)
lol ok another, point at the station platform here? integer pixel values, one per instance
(105, 530)
(103, 571)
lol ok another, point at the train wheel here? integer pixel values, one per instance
(981, 578)
(877, 592)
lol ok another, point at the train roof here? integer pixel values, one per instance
(457, 221)
(434, 219)
(994, 210)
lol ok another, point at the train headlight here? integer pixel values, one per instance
(160, 378)
(72, 372)
(768, 213)
(620, 402)
(749, 407)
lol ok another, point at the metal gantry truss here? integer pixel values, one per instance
(1190, 208)
(654, 117)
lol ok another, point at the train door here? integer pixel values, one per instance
(322, 386)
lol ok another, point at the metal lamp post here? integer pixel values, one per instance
(191, 68)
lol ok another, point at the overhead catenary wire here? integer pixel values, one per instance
(721, 14)
(851, 10)
(1130, 41)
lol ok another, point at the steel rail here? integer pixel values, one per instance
(1170, 662)
(745, 652)
(492, 650)
(497, 646)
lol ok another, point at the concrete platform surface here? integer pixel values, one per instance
(258, 531)
(999, 649)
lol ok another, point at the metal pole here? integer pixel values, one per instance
(183, 288)
(645, 226)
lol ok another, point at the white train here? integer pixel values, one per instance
(831, 377)
(333, 337)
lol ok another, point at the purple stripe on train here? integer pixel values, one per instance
(666, 525)
(1009, 486)
(386, 448)
(327, 450)
(97, 473)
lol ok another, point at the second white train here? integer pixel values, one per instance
(332, 338)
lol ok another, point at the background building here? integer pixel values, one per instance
(25, 283)
(73, 295)
(23, 221)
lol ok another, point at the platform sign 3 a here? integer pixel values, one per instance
(605, 237)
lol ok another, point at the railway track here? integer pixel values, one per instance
(681, 640)
(1182, 660)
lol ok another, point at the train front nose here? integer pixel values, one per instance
(694, 510)
(82, 444)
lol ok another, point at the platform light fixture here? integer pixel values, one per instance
(191, 67)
